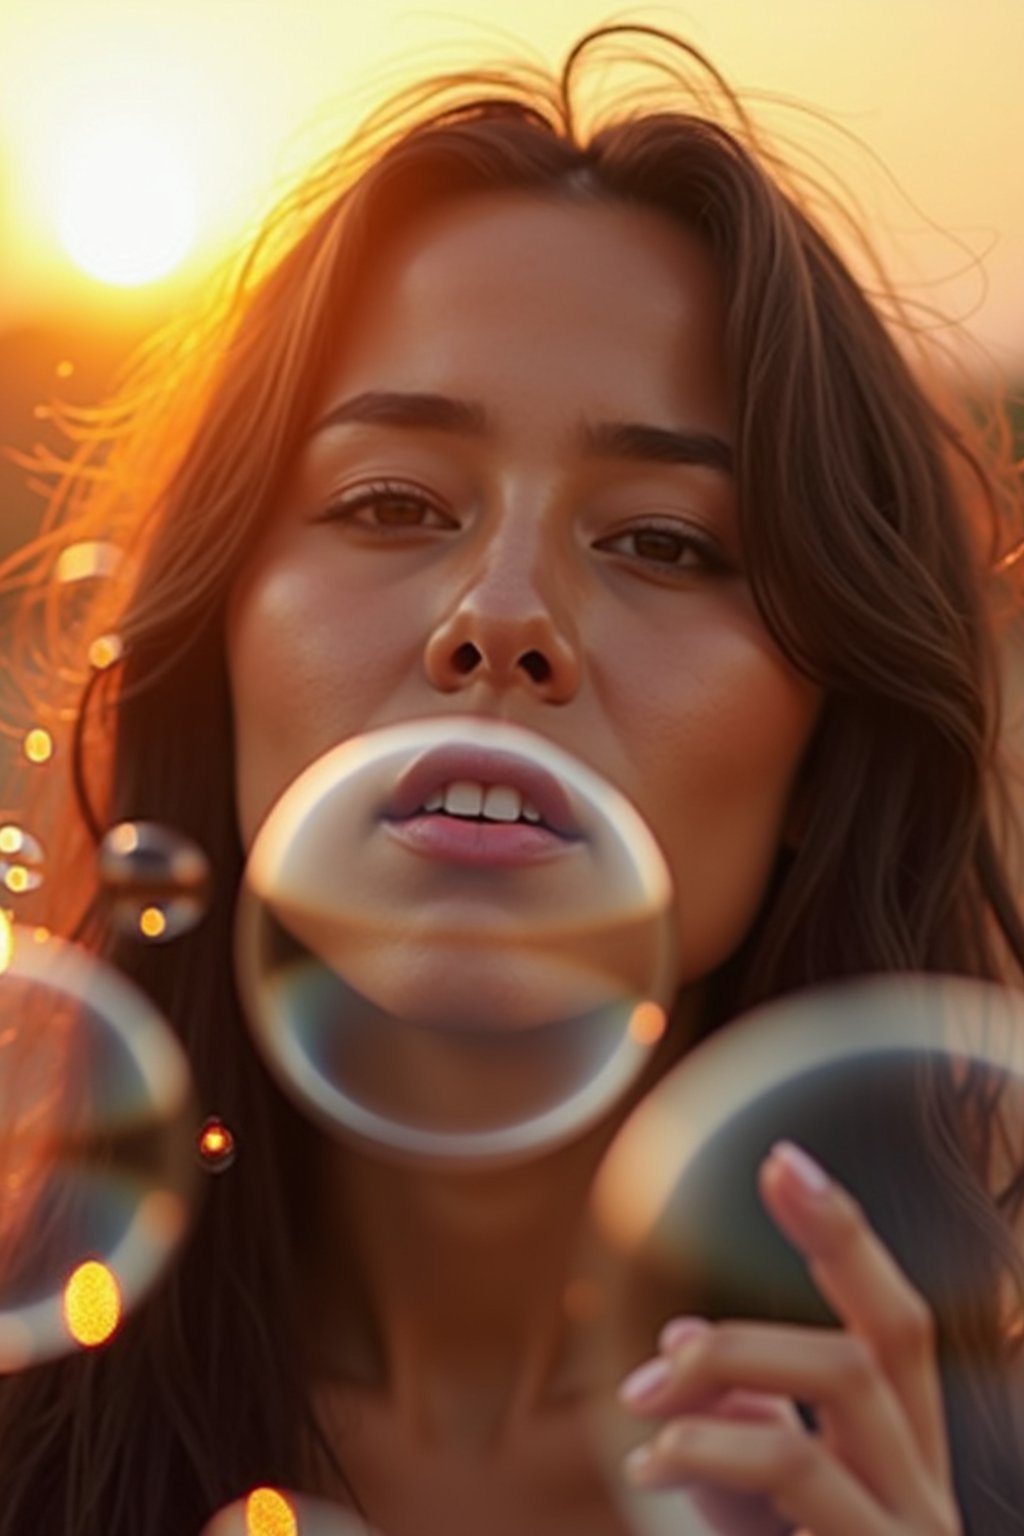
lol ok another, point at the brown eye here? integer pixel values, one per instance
(398, 511)
(656, 544)
(676, 549)
(386, 507)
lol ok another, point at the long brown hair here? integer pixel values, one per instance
(874, 509)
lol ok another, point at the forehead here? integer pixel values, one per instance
(509, 295)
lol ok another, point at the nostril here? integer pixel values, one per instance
(466, 658)
(536, 665)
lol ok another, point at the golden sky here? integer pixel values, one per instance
(246, 88)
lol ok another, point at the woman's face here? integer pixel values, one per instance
(554, 543)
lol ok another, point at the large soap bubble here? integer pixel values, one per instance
(900, 1086)
(456, 942)
(97, 1167)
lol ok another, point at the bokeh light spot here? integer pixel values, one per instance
(269, 1513)
(89, 557)
(92, 1304)
(105, 651)
(21, 860)
(216, 1145)
(647, 1023)
(152, 922)
(38, 745)
(6, 942)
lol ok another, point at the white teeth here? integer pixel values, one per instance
(502, 803)
(497, 802)
(463, 798)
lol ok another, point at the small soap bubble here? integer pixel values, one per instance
(38, 745)
(21, 860)
(268, 1511)
(97, 1130)
(456, 942)
(86, 559)
(156, 881)
(215, 1146)
(897, 1086)
(105, 651)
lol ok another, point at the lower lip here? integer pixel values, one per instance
(463, 841)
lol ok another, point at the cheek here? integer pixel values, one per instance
(731, 753)
(309, 667)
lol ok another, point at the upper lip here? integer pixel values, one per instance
(482, 765)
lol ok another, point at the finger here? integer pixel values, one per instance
(864, 1285)
(834, 1370)
(790, 1467)
(723, 1509)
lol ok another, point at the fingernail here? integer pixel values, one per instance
(638, 1460)
(678, 1329)
(812, 1179)
(645, 1381)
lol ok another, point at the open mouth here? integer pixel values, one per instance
(489, 788)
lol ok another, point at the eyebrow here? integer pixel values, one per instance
(633, 441)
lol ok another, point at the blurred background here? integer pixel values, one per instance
(140, 139)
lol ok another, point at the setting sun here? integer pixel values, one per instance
(126, 205)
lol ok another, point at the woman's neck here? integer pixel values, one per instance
(448, 1290)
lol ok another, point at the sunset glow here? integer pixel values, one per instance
(126, 206)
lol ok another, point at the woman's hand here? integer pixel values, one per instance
(879, 1465)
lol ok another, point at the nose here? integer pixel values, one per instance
(507, 629)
